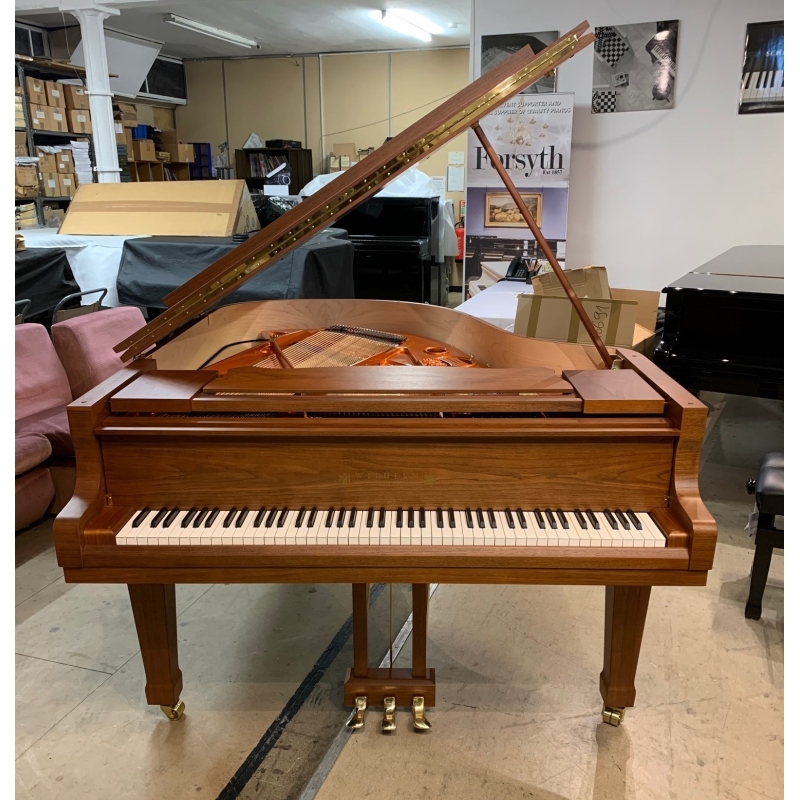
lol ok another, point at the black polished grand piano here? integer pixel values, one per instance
(723, 327)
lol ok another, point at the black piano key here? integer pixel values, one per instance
(610, 519)
(312, 517)
(329, 517)
(468, 517)
(273, 512)
(622, 519)
(410, 517)
(351, 523)
(141, 517)
(637, 523)
(156, 521)
(479, 515)
(492, 520)
(551, 520)
(421, 517)
(581, 519)
(212, 517)
(593, 519)
(340, 517)
(382, 518)
(229, 517)
(262, 512)
(451, 517)
(370, 517)
(398, 518)
(171, 517)
(282, 517)
(509, 518)
(539, 518)
(242, 517)
(188, 517)
(200, 517)
(523, 523)
(562, 518)
(439, 518)
(298, 521)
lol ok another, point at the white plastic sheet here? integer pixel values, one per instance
(411, 183)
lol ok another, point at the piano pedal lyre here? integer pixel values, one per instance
(420, 720)
(389, 724)
(613, 716)
(356, 721)
(174, 713)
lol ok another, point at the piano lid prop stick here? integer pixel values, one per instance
(279, 354)
(537, 234)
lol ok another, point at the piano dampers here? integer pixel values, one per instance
(369, 333)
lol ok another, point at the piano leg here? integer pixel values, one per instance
(626, 612)
(156, 626)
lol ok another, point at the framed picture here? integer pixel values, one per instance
(761, 89)
(501, 211)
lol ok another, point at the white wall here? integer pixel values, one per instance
(654, 194)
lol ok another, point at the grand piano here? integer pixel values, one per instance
(364, 441)
(723, 325)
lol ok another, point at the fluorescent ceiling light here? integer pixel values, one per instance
(209, 30)
(400, 21)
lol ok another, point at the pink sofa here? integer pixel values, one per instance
(42, 429)
(85, 345)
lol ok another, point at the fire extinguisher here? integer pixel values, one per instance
(459, 226)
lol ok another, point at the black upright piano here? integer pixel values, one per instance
(394, 253)
(723, 326)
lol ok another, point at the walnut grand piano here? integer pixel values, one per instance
(361, 441)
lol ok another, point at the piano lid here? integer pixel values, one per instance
(353, 186)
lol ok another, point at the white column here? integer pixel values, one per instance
(99, 90)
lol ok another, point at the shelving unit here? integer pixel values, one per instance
(203, 168)
(299, 160)
(45, 138)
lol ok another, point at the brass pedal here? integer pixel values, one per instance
(174, 713)
(420, 720)
(613, 716)
(356, 720)
(388, 725)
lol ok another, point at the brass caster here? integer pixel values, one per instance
(388, 725)
(613, 716)
(174, 713)
(420, 720)
(356, 720)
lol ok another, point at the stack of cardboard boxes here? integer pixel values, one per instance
(345, 155)
(124, 121)
(57, 172)
(58, 106)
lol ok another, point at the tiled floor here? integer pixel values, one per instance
(518, 705)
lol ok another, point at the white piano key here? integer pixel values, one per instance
(581, 537)
(648, 524)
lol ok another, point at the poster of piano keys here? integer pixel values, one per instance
(634, 67)
(532, 134)
(762, 71)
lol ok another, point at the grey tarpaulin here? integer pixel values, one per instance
(151, 268)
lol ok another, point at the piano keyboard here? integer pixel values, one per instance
(277, 525)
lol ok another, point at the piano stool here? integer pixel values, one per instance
(768, 489)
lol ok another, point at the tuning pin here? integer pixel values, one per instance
(420, 720)
(356, 720)
(388, 725)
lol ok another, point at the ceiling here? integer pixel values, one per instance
(280, 27)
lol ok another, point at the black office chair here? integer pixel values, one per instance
(60, 313)
(20, 310)
(768, 489)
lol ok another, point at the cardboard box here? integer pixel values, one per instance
(587, 282)
(346, 149)
(144, 150)
(647, 308)
(39, 117)
(126, 114)
(37, 91)
(80, 121)
(26, 191)
(52, 212)
(334, 163)
(47, 161)
(19, 113)
(163, 118)
(124, 136)
(162, 208)
(64, 162)
(50, 185)
(76, 96)
(180, 152)
(26, 175)
(20, 143)
(68, 185)
(554, 318)
(17, 87)
(55, 94)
